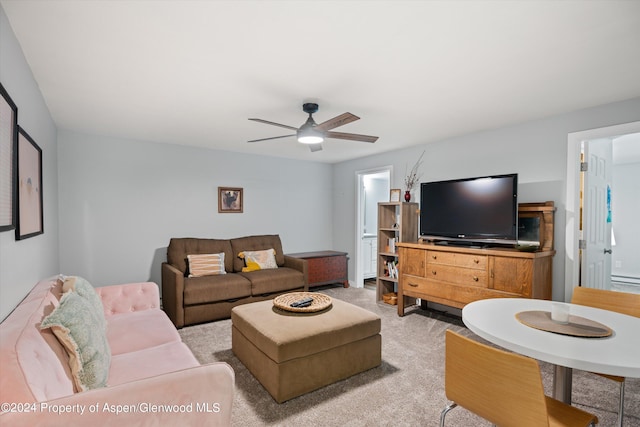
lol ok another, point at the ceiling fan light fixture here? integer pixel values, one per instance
(313, 134)
(307, 133)
(310, 138)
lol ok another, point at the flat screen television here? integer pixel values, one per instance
(480, 210)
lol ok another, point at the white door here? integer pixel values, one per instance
(596, 214)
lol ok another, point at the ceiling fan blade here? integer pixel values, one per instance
(273, 137)
(274, 124)
(340, 120)
(351, 136)
(315, 147)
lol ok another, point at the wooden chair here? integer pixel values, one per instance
(503, 388)
(621, 302)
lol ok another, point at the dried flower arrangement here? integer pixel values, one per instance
(412, 178)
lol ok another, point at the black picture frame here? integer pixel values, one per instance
(29, 188)
(8, 160)
(230, 200)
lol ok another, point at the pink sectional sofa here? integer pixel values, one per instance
(154, 379)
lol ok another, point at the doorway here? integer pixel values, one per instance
(591, 213)
(373, 186)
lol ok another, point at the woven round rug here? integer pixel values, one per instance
(320, 301)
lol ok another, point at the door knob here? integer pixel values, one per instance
(608, 251)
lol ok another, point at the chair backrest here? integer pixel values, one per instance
(503, 388)
(620, 302)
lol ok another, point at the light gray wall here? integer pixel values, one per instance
(24, 262)
(625, 204)
(122, 200)
(536, 150)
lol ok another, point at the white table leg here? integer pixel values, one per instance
(562, 383)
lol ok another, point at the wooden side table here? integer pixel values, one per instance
(325, 267)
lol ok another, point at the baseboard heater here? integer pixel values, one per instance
(627, 280)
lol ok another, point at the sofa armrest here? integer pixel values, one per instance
(129, 297)
(202, 395)
(173, 294)
(298, 264)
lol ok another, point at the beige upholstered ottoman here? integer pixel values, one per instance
(294, 353)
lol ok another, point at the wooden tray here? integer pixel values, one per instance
(320, 302)
(577, 326)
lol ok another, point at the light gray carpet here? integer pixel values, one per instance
(406, 390)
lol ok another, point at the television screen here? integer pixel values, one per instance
(481, 209)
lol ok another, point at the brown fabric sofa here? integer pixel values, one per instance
(191, 300)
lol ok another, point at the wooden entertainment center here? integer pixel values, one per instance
(456, 276)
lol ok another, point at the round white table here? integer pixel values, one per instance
(618, 354)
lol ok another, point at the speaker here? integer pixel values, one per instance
(529, 230)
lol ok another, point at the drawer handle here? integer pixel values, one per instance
(413, 285)
(476, 260)
(434, 272)
(434, 257)
(475, 278)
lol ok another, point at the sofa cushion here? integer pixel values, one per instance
(78, 328)
(149, 362)
(274, 280)
(83, 288)
(202, 290)
(34, 366)
(256, 243)
(206, 264)
(179, 248)
(137, 330)
(258, 260)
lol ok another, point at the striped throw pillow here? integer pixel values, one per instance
(206, 264)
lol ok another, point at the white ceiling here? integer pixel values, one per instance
(193, 72)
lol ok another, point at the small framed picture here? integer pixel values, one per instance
(8, 159)
(394, 195)
(230, 200)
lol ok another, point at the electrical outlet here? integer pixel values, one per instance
(618, 264)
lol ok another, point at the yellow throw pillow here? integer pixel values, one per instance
(206, 264)
(259, 260)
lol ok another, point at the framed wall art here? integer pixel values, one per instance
(8, 167)
(30, 201)
(394, 195)
(230, 200)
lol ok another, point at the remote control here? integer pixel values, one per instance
(304, 304)
(306, 301)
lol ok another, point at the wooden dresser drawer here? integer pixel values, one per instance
(412, 284)
(457, 275)
(459, 260)
(448, 293)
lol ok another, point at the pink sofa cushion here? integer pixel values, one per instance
(150, 362)
(35, 366)
(152, 328)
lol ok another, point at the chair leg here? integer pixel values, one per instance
(445, 411)
(621, 408)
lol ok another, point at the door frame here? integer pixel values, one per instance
(572, 208)
(360, 174)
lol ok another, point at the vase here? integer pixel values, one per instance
(407, 196)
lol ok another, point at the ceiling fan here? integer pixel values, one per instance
(313, 134)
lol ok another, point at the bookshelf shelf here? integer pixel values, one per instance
(397, 222)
